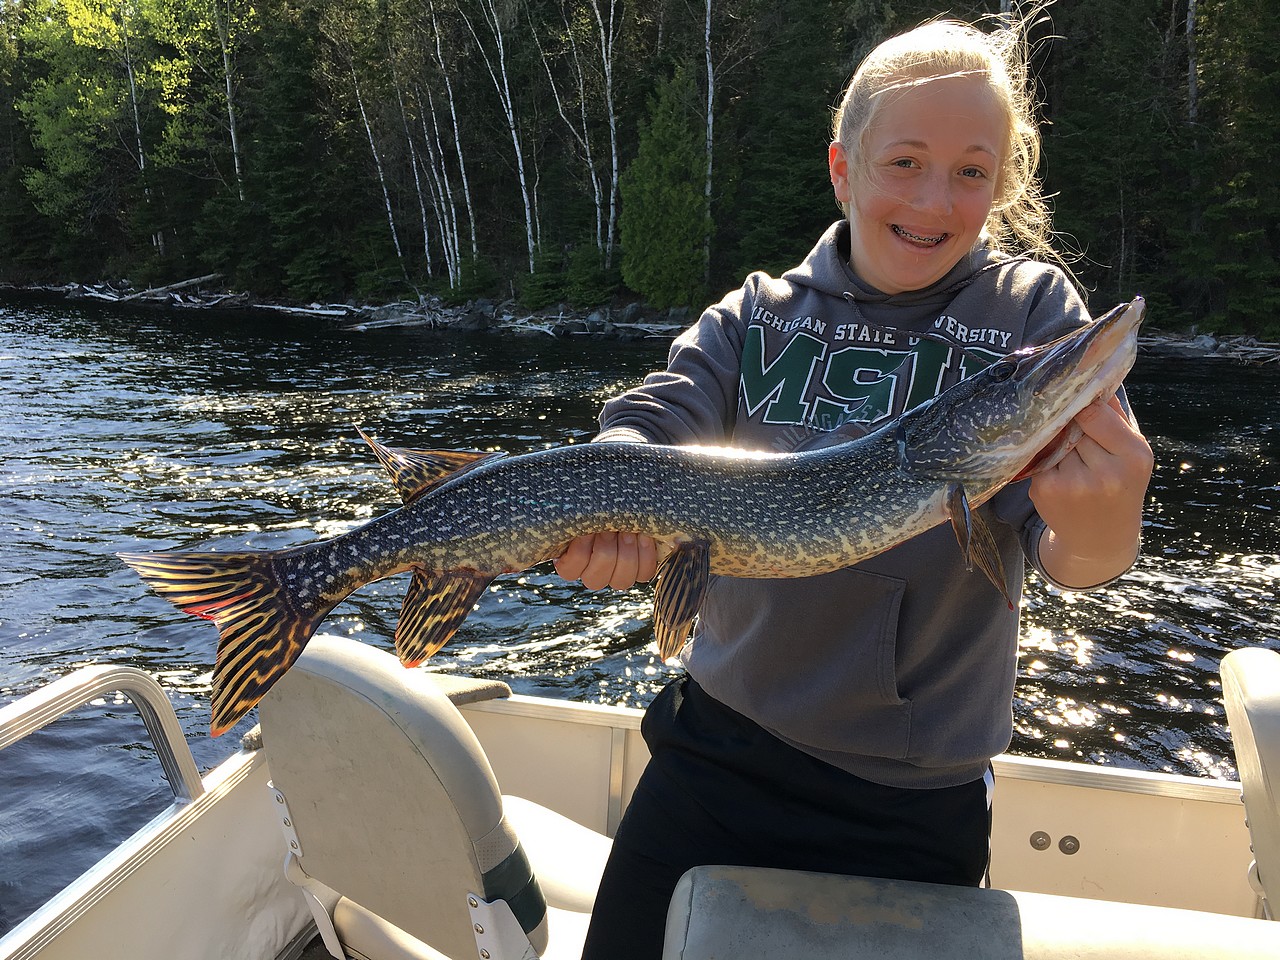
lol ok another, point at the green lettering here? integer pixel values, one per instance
(783, 382)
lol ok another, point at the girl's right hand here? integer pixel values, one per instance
(612, 559)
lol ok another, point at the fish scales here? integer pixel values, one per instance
(516, 512)
(469, 518)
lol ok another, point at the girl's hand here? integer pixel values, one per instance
(617, 560)
(1092, 500)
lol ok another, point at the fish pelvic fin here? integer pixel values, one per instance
(976, 540)
(683, 578)
(414, 472)
(433, 609)
(262, 629)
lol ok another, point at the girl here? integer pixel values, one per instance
(846, 723)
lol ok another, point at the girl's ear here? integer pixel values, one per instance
(838, 164)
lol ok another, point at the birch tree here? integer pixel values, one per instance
(438, 50)
(498, 17)
(710, 138)
(85, 114)
(377, 164)
(350, 31)
(200, 81)
(575, 117)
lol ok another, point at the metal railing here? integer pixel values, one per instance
(28, 714)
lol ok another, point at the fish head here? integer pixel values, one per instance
(993, 426)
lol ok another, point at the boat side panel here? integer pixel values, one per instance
(1142, 838)
(203, 882)
(580, 760)
(1159, 849)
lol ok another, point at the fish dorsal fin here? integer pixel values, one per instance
(433, 610)
(976, 540)
(682, 584)
(414, 472)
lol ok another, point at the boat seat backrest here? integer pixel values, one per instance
(1251, 693)
(754, 913)
(391, 797)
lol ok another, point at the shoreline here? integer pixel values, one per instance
(622, 320)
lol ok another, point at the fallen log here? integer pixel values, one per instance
(181, 285)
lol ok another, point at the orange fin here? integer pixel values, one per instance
(414, 472)
(976, 540)
(261, 630)
(683, 577)
(433, 610)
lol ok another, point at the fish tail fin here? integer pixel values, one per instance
(262, 626)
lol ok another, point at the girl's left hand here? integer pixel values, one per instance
(1092, 500)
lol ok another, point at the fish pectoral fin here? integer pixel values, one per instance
(1053, 454)
(681, 585)
(433, 609)
(414, 472)
(976, 540)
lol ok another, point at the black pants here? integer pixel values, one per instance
(719, 789)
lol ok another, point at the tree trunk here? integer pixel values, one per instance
(580, 134)
(157, 238)
(457, 136)
(413, 164)
(442, 191)
(1193, 81)
(223, 39)
(502, 85)
(377, 162)
(711, 92)
(607, 38)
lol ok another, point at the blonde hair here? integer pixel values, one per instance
(1020, 219)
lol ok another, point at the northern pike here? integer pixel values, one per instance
(470, 517)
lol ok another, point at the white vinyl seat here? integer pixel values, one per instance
(395, 827)
(1251, 694)
(753, 913)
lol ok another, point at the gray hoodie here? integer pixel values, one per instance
(899, 669)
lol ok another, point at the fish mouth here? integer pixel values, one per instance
(918, 239)
(1101, 352)
(1012, 418)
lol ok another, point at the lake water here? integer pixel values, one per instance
(137, 431)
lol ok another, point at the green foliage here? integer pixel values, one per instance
(1242, 207)
(664, 214)
(479, 279)
(116, 151)
(778, 199)
(546, 285)
(588, 282)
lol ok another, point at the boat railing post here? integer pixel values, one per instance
(36, 710)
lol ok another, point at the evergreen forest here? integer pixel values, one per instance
(572, 151)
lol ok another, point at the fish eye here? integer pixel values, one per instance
(1002, 370)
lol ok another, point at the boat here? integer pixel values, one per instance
(377, 812)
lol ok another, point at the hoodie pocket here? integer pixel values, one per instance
(813, 659)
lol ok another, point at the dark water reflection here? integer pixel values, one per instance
(124, 432)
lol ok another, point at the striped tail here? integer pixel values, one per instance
(262, 626)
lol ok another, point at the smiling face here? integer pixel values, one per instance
(931, 161)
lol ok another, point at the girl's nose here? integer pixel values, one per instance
(934, 195)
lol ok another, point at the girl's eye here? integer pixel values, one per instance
(974, 173)
(904, 163)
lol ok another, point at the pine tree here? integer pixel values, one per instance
(1240, 83)
(664, 212)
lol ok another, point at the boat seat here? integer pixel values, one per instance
(1251, 694)
(396, 830)
(752, 913)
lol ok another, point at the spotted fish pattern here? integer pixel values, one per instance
(468, 517)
